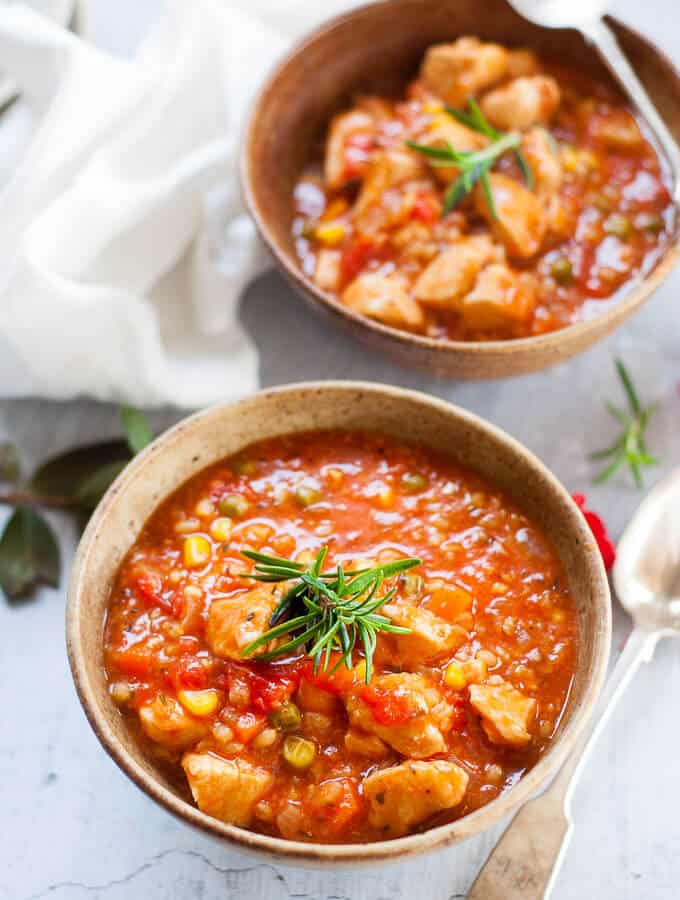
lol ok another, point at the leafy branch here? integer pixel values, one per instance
(631, 447)
(326, 611)
(474, 165)
(74, 482)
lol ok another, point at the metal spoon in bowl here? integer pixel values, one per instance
(527, 858)
(586, 16)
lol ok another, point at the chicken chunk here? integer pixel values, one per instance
(521, 222)
(389, 168)
(327, 272)
(368, 745)
(460, 70)
(226, 789)
(500, 298)
(406, 711)
(384, 299)
(506, 713)
(453, 273)
(408, 794)
(521, 63)
(618, 131)
(167, 723)
(342, 128)
(522, 103)
(541, 153)
(235, 622)
(430, 636)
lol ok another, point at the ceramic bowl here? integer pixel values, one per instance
(210, 436)
(377, 48)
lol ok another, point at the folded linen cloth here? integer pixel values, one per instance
(124, 245)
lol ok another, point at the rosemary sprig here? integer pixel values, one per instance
(323, 611)
(631, 447)
(474, 165)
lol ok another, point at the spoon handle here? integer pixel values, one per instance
(604, 39)
(526, 860)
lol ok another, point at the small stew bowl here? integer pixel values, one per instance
(209, 436)
(377, 48)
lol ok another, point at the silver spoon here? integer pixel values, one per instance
(586, 16)
(527, 859)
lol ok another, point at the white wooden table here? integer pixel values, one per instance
(73, 827)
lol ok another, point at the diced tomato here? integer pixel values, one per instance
(388, 707)
(426, 209)
(449, 602)
(356, 255)
(599, 529)
(189, 673)
(270, 691)
(339, 683)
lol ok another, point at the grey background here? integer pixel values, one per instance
(73, 827)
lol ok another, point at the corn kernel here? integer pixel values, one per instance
(199, 703)
(221, 529)
(197, 551)
(558, 616)
(360, 670)
(386, 495)
(432, 107)
(440, 120)
(330, 235)
(454, 677)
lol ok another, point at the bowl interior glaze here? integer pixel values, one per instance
(212, 435)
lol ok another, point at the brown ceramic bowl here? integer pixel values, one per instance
(212, 435)
(377, 48)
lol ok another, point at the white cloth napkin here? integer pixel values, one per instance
(124, 245)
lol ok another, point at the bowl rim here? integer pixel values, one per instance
(318, 853)
(633, 294)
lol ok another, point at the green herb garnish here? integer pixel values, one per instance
(631, 447)
(326, 611)
(474, 165)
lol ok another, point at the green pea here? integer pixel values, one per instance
(562, 270)
(234, 506)
(413, 482)
(298, 752)
(618, 225)
(243, 466)
(288, 718)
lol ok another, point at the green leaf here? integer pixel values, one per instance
(29, 554)
(10, 467)
(64, 474)
(92, 489)
(137, 428)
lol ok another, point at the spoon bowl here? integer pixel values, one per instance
(558, 13)
(647, 572)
